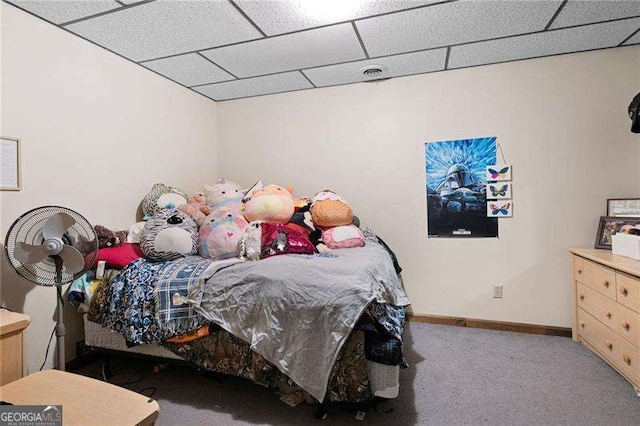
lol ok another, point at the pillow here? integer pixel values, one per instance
(281, 239)
(120, 256)
(168, 235)
(162, 197)
(343, 237)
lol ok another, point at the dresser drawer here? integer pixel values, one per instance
(628, 323)
(598, 277)
(598, 335)
(598, 305)
(628, 291)
(628, 359)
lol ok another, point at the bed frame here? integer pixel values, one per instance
(385, 379)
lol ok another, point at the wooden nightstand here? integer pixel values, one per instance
(12, 326)
(84, 401)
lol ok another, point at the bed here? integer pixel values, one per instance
(318, 328)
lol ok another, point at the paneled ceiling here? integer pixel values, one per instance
(229, 49)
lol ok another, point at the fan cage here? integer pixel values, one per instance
(28, 229)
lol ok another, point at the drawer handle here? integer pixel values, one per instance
(606, 284)
(609, 345)
(582, 324)
(624, 291)
(626, 358)
(626, 325)
(579, 271)
(608, 314)
(582, 297)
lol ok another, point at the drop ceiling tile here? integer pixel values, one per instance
(589, 37)
(163, 28)
(452, 23)
(190, 69)
(633, 40)
(587, 12)
(277, 17)
(394, 66)
(59, 12)
(263, 85)
(306, 49)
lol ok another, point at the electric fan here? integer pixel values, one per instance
(52, 246)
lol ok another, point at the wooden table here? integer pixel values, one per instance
(84, 401)
(12, 326)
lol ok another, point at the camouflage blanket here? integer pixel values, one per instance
(223, 353)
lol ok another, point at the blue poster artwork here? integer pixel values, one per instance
(456, 188)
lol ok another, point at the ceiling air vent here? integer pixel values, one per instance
(374, 72)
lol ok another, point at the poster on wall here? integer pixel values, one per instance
(456, 188)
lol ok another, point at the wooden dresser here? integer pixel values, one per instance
(606, 308)
(12, 325)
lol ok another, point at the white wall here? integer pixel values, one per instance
(97, 131)
(562, 124)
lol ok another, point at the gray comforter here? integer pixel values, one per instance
(297, 310)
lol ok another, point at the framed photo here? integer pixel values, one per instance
(623, 207)
(10, 179)
(610, 225)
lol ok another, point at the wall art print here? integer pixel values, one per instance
(498, 172)
(456, 188)
(499, 208)
(498, 190)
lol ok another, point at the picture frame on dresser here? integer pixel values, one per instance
(610, 225)
(627, 207)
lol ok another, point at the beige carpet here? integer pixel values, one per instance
(456, 376)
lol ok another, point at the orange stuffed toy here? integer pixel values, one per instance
(328, 209)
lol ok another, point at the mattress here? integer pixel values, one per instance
(98, 336)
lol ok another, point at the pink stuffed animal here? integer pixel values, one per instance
(224, 194)
(196, 207)
(219, 237)
(271, 204)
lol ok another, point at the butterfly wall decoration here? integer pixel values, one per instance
(498, 172)
(499, 209)
(498, 190)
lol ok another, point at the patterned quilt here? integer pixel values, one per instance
(144, 302)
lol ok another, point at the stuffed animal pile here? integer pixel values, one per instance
(226, 221)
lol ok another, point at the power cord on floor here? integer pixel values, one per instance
(130, 381)
(46, 355)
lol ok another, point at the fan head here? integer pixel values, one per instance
(51, 245)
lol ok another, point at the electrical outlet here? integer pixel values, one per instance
(497, 291)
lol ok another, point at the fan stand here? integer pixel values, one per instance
(60, 320)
